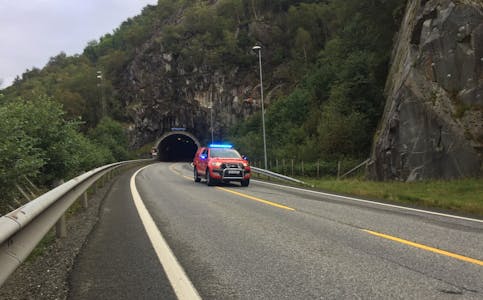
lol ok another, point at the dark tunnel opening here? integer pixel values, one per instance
(177, 147)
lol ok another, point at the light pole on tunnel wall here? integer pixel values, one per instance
(259, 50)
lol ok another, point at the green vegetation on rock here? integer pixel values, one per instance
(333, 111)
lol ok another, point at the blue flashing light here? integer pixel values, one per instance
(221, 146)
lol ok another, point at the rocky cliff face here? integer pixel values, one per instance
(432, 125)
(163, 91)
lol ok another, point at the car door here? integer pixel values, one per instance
(203, 161)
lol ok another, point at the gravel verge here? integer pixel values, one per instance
(46, 275)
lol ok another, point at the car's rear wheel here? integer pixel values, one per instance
(209, 180)
(245, 182)
(195, 175)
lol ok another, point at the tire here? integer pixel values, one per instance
(245, 182)
(195, 175)
(209, 180)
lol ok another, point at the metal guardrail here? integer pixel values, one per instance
(22, 229)
(275, 175)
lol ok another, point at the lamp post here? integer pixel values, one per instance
(100, 93)
(259, 50)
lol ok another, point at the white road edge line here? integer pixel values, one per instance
(180, 282)
(372, 202)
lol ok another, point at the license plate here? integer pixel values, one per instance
(234, 172)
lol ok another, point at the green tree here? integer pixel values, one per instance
(18, 153)
(303, 43)
(110, 134)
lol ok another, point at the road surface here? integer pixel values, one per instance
(271, 242)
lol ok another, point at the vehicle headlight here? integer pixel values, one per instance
(216, 164)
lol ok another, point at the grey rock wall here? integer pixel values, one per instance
(161, 92)
(432, 125)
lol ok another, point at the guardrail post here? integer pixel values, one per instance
(85, 204)
(61, 227)
(292, 167)
(338, 170)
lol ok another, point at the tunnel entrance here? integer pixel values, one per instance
(177, 146)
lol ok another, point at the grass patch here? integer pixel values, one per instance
(464, 196)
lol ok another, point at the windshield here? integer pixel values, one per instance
(224, 153)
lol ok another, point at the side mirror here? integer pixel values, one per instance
(202, 156)
(245, 157)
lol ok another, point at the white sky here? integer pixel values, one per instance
(33, 31)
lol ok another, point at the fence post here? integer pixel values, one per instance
(30, 191)
(292, 167)
(31, 184)
(338, 170)
(27, 197)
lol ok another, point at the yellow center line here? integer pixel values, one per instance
(382, 235)
(171, 167)
(237, 193)
(256, 199)
(178, 172)
(427, 248)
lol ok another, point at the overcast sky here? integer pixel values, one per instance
(32, 31)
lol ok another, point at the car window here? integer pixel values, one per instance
(224, 153)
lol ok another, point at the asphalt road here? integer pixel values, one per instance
(272, 242)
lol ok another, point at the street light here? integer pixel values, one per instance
(259, 50)
(100, 93)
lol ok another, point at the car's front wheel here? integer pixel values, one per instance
(209, 181)
(245, 182)
(195, 175)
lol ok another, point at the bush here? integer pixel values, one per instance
(110, 134)
(36, 140)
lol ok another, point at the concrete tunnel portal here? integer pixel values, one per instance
(177, 146)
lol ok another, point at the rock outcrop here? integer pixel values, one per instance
(163, 90)
(432, 125)
(161, 94)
